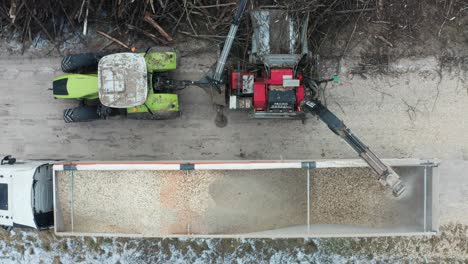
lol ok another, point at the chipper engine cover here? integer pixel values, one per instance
(122, 80)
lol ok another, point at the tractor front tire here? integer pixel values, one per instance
(81, 114)
(83, 62)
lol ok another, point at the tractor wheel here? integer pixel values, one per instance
(83, 62)
(81, 114)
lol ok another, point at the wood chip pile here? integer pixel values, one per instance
(157, 203)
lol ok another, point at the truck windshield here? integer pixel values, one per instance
(3, 196)
(42, 196)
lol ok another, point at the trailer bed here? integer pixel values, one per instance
(239, 199)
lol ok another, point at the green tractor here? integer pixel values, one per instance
(135, 85)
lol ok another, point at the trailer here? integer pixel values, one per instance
(242, 199)
(312, 198)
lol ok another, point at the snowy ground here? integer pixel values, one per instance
(31, 247)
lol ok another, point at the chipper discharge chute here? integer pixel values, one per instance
(135, 85)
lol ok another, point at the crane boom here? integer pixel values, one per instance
(384, 173)
(218, 73)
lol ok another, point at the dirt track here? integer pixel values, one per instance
(396, 114)
(417, 110)
(413, 113)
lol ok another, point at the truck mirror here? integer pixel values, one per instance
(8, 160)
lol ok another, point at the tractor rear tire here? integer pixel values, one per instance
(83, 62)
(81, 114)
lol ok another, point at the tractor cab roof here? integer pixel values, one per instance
(122, 80)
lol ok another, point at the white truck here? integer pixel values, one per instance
(309, 198)
(26, 194)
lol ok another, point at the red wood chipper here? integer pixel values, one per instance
(276, 85)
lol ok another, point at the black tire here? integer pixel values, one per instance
(81, 114)
(84, 62)
(7, 228)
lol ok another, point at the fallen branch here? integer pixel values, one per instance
(114, 39)
(203, 36)
(146, 33)
(152, 5)
(107, 44)
(40, 24)
(12, 11)
(355, 11)
(217, 5)
(85, 24)
(153, 23)
(384, 40)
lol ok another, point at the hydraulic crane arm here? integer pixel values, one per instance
(218, 73)
(385, 174)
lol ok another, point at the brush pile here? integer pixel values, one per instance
(157, 20)
(160, 21)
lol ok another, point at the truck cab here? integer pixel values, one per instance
(26, 195)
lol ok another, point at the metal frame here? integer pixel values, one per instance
(289, 115)
(72, 208)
